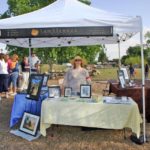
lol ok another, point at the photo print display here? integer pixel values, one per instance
(35, 85)
(122, 81)
(125, 72)
(67, 92)
(29, 124)
(85, 91)
(120, 73)
(54, 91)
(45, 80)
(121, 78)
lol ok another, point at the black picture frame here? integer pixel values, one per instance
(67, 92)
(85, 91)
(34, 87)
(29, 123)
(54, 91)
(45, 80)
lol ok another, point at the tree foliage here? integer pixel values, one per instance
(102, 56)
(23, 6)
(134, 51)
(133, 60)
(134, 56)
(147, 37)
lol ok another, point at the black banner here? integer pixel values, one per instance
(57, 32)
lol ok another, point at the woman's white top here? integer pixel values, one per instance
(3, 67)
(75, 77)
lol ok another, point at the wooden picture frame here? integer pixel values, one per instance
(29, 124)
(54, 91)
(85, 91)
(34, 87)
(67, 92)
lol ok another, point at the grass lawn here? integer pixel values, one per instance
(111, 73)
(103, 74)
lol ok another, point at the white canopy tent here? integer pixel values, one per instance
(70, 23)
(70, 13)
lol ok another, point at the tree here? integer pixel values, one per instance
(102, 56)
(133, 60)
(134, 51)
(24, 6)
(134, 55)
(123, 59)
(5, 15)
(88, 2)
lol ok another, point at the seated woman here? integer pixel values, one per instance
(76, 76)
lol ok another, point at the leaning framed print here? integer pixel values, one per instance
(54, 91)
(85, 91)
(122, 81)
(34, 87)
(45, 80)
(67, 92)
(120, 73)
(125, 72)
(29, 124)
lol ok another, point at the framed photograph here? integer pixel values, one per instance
(67, 92)
(125, 72)
(29, 124)
(34, 87)
(122, 81)
(120, 73)
(45, 80)
(54, 91)
(85, 91)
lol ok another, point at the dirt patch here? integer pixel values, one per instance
(66, 137)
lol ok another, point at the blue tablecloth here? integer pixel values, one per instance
(22, 104)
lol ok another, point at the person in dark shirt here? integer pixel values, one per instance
(25, 73)
(131, 70)
(146, 71)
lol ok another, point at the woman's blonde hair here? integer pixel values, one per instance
(15, 57)
(83, 61)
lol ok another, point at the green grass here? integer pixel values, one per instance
(106, 74)
(111, 73)
(103, 75)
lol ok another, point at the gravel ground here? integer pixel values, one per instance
(66, 137)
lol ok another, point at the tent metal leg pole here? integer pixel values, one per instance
(143, 81)
(30, 54)
(119, 54)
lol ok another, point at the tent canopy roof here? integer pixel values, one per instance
(70, 13)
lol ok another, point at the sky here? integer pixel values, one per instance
(127, 7)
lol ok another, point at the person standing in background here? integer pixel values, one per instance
(131, 70)
(25, 73)
(146, 71)
(3, 75)
(14, 72)
(7, 58)
(35, 62)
